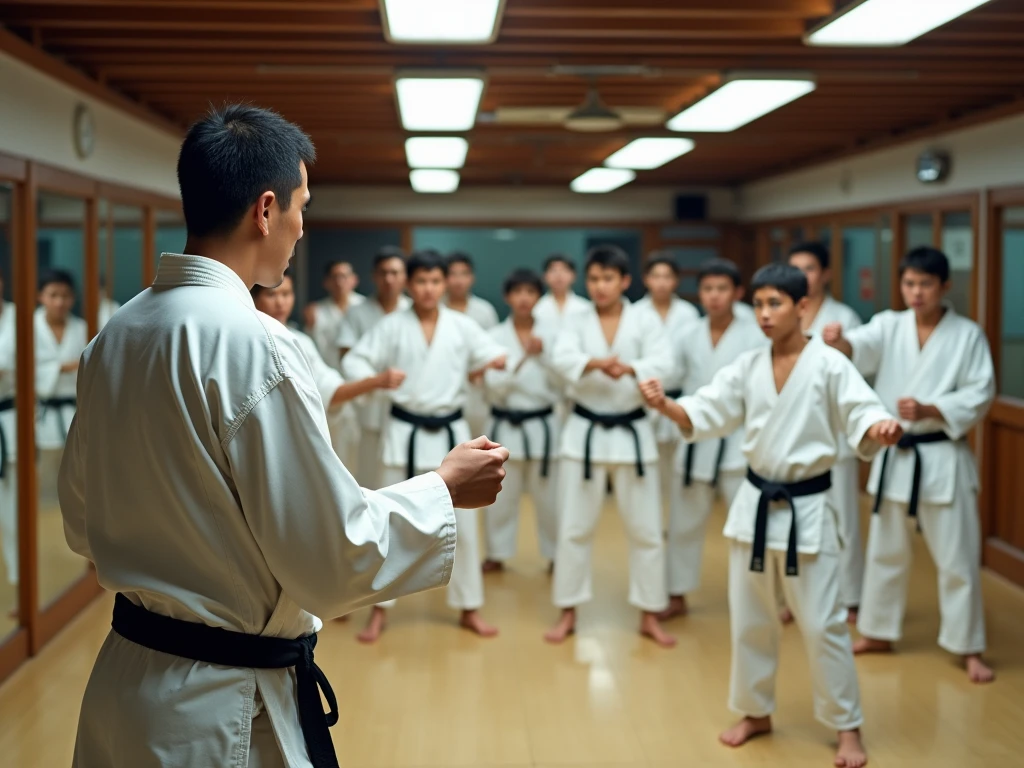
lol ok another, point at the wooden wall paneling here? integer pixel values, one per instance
(13, 653)
(91, 265)
(63, 182)
(149, 254)
(12, 168)
(899, 247)
(838, 254)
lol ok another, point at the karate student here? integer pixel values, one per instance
(703, 470)
(934, 368)
(661, 279)
(796, 399)
(436, 348)
(389, 282)
(459, 297)
(324, 317)
(8, 441)
(523, 397)
(200, 480)
(60, 338)
(602, 353)
(560, 301)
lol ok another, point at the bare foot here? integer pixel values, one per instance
(786, 616)
(977, 670)
(651, 627)
(868, 645)
(471, 620)
(676, 607)
(492, 566)
(745, 730)
(851, 752)
(566, 626)
(376, 624)
(851, 615)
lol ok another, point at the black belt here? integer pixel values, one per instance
(781, 492)
(609, 421)
(213, 645)
(517, 419)
(429, 423)
(688, 466)
(909, 442)
(58, 403)
(673, 394)
(5, 405)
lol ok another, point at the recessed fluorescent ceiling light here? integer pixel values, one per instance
(441, 21)
(737, 103)
(646, 154)
(598, 180)
(888, 22)
(438, 103)
(436, 152)
(434, 181)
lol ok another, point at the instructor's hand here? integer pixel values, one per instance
(473, 473)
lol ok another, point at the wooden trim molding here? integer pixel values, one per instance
(121, 195)
(91, 266)
(13, 653)
(149, 254)
(61, 611)
(62, 182)
(12, 168)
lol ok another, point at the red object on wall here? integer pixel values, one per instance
(867, 284)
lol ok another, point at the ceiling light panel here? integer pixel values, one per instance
(647, 154)
(888, 22)
(434, 181)
(438, 103)
(421, 22)
(436, 151)
(738, 102)
(601, 180)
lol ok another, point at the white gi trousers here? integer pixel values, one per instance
(639, 503)
(813, 596)
(845, 492)
(667, 471)
(952, 534)
(689, 511)
(466, 588)
(501, 520)
(368, 467)
(9, 521)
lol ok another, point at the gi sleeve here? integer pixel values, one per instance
(71, 491)
(718, 408)
(868, 342)
(567, 357)
(975, 389)
(655, 361)
(855, 407)
(366, 358)
(332, 545)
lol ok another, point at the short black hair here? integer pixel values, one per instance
(926, 259)
(230, 158)
(559, 258)
(661, 257)
(817, 249)
(56, 277)
(461, 258)
(427, 261)
(332, 264)
(609, 257)
(522, 277)
(387, 253)
(785, 278)
(720, 268)
(257, 289)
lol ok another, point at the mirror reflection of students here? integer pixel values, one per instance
(60, 338)
(8, 444)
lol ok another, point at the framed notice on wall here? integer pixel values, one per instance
(958, 245)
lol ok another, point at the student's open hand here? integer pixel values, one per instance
(391, 378)
(534, 346)
(653, 392)
(832, 334)
(886, 432)
(473, 472)
(909, 409)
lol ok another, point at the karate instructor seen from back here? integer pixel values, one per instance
(199, 478)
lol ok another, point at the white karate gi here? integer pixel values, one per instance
(477, 410)
(199, 478)
(640, 342)
(371, 409)
(329, 318)
(690, 506)
(681, 314)
(845, 475)
(107, 308)
(434, 385)
(954, 373)
(744, 311)
(549, 315)
(528, 383)
(790, 436)
(9, 425)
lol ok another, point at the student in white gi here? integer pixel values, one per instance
(199, 478)
(661, 279)
(523, 397)
(324, 317)
(796, 400)
(935, 368)
(703, 470)
(389, 281)
(60, 338)
(8, 442)
(602, 353)
(459, 297)
(560, 301)
(436, 348)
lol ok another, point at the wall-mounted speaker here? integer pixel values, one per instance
(691, 208)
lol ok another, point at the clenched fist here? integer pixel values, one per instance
(473, 472)
(391, 378)
(832, 334)
(886, 432)
(534, 346)
(653, 392)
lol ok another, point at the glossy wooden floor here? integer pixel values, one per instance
(432, 695)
